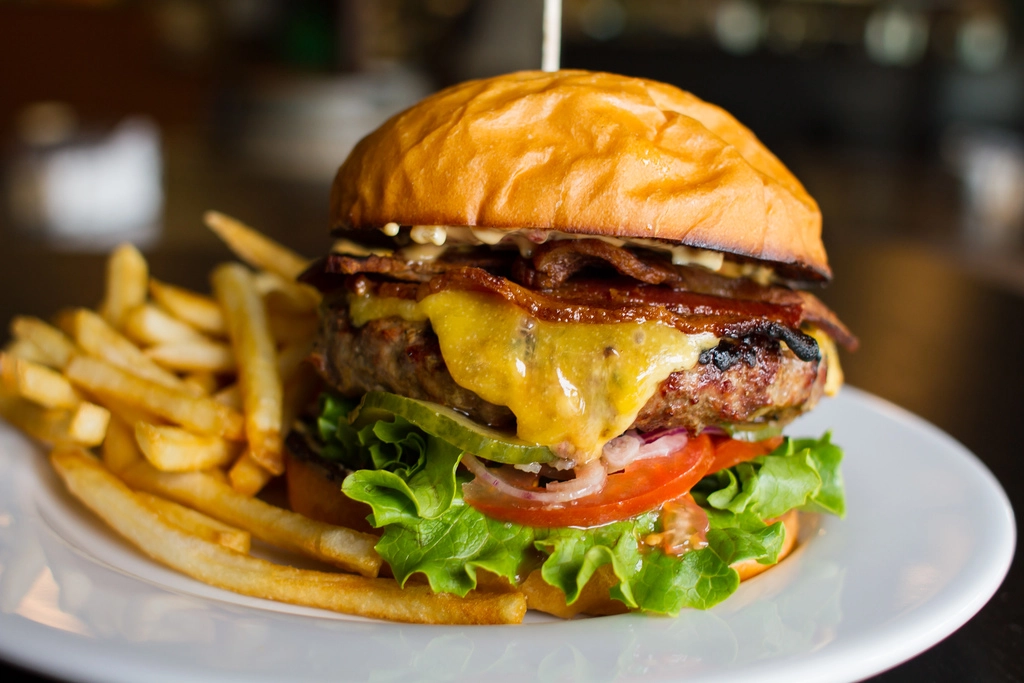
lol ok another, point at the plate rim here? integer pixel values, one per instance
(25, 647)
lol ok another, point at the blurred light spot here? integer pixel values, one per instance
(982, 42)
(300, 128)
(738, 26)
(787, 28)
(185, 27)
(894, 36)
(603, 19)
(46, 123)
(42, 605)
(991, 164)
(92, 194)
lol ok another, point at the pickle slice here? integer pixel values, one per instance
(754, 431)
(448, 425)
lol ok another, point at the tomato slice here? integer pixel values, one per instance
(729, 452)
(643, 486)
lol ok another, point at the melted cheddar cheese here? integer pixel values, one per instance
(571, 386)
(830, 356)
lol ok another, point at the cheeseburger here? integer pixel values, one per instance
(563, 328)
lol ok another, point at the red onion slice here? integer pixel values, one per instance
(666, 445)
(590, 479)
(623, 450)
(648, 437)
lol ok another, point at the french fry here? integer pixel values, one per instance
(255, 249)
(198, 413)
(86, 424)
(247, 476)
(100, 340)
(289, 362)
(37, 383)
(193, 356)
(27, 350)
(53, 343)
(119, 448)
(202, 382)
(121, 509)
(301, 388)
(230, 396)
(172, 449)
(286, 296)
(127, 412)
(303, 384)
(201, 312)
(89, 424)
(148, 325)
(291, 329)
(345, 548)
(257, 363)
(196, 523)
(127, 281)
(291, 356)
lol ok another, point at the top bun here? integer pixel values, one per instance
(585, 153)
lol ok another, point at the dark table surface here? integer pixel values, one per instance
(935, 339)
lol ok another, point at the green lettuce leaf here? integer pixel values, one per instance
(409, 479)
(395, 463)
(665, 584)
(425, 491)
(736, 544)
(800, 474)
(649, 579)
(449, 550)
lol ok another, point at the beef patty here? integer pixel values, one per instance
(753, 380)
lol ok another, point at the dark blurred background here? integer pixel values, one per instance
(126, 120)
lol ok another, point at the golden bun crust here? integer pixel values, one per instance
(584, 153)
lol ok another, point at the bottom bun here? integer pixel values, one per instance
(314, 491)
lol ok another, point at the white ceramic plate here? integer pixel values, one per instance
(928, 538)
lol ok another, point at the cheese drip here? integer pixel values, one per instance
(572, 386)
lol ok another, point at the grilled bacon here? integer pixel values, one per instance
(553, 285)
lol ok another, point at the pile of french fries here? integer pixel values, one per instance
(166, 410)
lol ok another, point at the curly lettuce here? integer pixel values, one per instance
(410, 480)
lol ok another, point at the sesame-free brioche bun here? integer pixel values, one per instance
(584, 153)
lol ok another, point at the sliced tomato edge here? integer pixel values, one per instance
(505, 508)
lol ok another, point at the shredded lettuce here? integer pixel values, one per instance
(409, 479)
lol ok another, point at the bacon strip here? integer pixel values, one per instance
(554, 263)
(329, 272)
(603, 303)
(691, 299)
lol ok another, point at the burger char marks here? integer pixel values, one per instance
(390, 354)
